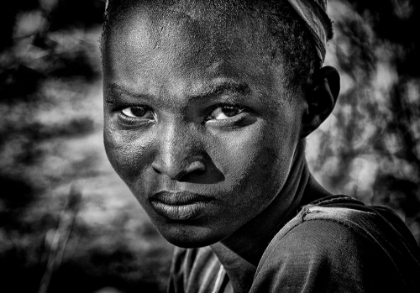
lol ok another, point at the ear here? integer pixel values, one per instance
(321, 99)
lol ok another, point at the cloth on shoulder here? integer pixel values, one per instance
(335, 244)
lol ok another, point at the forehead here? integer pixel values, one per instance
(197, 42)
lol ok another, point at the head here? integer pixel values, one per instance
(207, 105)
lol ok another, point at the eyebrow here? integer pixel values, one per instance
(224, 87)
(114, 87)
(241, 88)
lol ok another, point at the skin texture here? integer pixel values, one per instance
(201, 127)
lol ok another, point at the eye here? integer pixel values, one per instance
(136, 112)
(225, 112)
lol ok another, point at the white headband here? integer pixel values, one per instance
(313, 13)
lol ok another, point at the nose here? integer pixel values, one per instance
(181, 156)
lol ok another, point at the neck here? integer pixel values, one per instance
(241, 252)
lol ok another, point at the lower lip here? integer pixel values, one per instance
(179, 212)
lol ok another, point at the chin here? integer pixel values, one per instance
(189, 236)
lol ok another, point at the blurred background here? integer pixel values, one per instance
(68, 223)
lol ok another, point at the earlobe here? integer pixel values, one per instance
(321, 99)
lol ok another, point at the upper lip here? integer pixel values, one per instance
(179, 198)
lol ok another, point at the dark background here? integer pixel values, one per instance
(68, 223)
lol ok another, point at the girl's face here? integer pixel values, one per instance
(198, 122)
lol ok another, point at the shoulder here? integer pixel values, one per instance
(340, 245)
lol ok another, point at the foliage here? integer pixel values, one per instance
(370, 146)
(64, 215)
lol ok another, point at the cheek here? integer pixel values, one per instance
(257, 160)
(127, 154)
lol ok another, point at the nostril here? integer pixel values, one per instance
(156, 168)
(181, 171)
(195, 167)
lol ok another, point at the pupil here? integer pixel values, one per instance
(138, 111)
(230, 111)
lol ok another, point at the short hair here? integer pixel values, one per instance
(290, 34)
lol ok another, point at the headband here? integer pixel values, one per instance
(313, 13)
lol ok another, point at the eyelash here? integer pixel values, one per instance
(146, 109)
(239, 108)
(133, 121)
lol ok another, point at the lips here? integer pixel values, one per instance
(179, 205)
